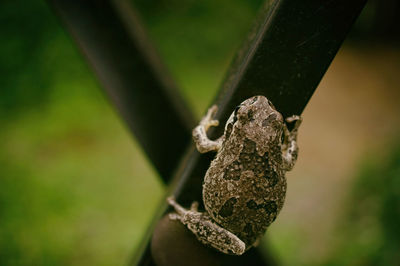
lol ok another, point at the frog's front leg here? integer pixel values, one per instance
(206, 230)
(289, 148)
(203, 143)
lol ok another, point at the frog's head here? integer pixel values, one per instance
(255, 112)
(256, 109)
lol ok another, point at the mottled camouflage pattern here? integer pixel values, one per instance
(244, 188)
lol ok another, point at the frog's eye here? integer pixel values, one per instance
(270, 104)
(235, 113)
(255, 98)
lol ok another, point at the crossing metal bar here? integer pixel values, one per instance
(112, 39)
(284, 58)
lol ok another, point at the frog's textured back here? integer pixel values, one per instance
(243, 190)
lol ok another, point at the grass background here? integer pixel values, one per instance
(75, 188)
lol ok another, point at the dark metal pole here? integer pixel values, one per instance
(113, 41)
(285, 58)
(289, 52)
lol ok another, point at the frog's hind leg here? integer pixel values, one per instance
(206, 230)
(203, 143)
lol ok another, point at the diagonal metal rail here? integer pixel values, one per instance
(284, 58)
(112, 39)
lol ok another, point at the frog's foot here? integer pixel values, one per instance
(257, 242)
(293, 118)
(180, 211)
(289, 148)
(178, 208)
(298, 120)
(206, 230)
(195, 206)
(203, 143)
(174, 216)
(208, 120)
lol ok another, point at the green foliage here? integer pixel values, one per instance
(74, 187)
(369, 233)
(197, 40)
(25, 33)
(36, 55)
(70, 175)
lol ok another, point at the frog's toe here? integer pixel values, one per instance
(293, 118)
(171, 200)
(195, 206)
(212, 111)
(178, 208)
(213, 123)
(174, 216)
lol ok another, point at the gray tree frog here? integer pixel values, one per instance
(244, 188)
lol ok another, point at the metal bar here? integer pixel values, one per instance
(291, 51)
(284, 58)
(113, 41)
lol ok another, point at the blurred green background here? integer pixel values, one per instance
(76, 189)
